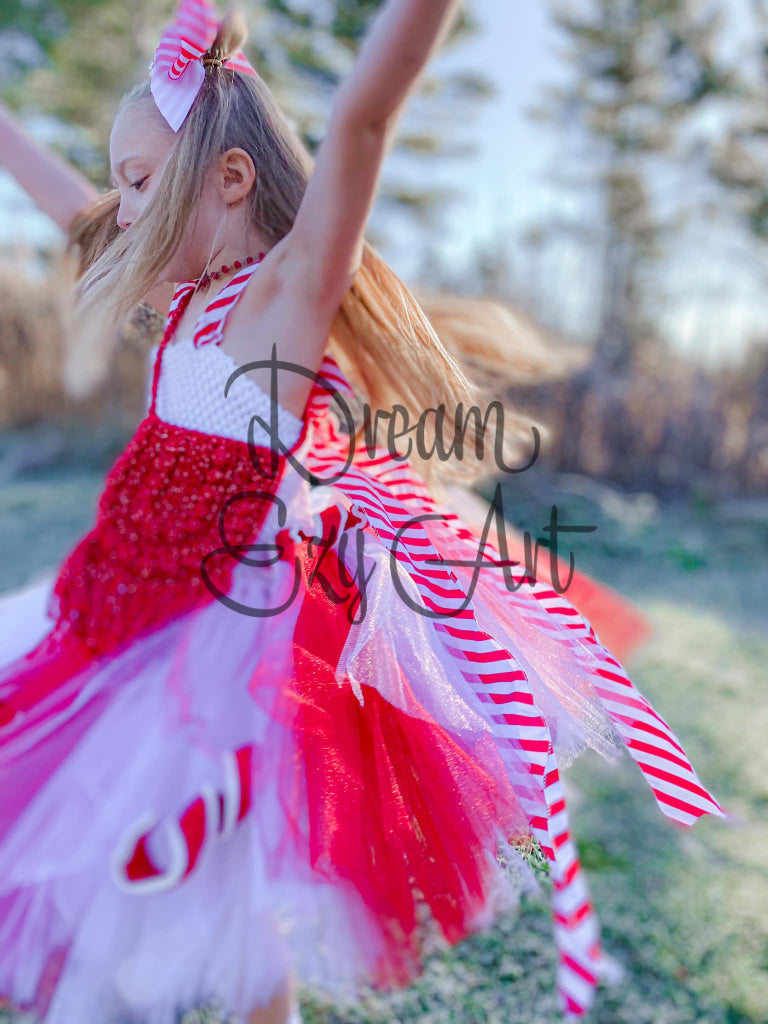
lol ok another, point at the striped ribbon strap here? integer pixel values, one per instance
(651, 742)
(179, 296)
(209, 329)
(492, 672)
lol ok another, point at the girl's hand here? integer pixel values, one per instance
(56, 187)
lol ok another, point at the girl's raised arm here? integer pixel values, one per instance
(60, 190)
(57, 188)
(324, 247)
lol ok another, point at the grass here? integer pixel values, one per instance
(685, 910)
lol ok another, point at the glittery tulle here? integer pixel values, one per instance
(327, 759)
(226, 745)
(276, 727)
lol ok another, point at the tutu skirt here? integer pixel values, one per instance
(333, 756)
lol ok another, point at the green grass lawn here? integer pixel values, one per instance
(685, 910)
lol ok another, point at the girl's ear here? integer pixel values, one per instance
(235, 175)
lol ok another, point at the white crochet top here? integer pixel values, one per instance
(191, 393)
(193, 375)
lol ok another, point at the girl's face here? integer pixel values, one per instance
(138, 149)
(139, 146)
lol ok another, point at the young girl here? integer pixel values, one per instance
(473, 329)
(287, 719)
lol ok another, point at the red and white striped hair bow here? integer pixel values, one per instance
(177, 73)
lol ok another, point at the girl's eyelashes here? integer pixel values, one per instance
(138, 185)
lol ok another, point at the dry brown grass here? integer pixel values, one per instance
(36, 330)
(664, 424)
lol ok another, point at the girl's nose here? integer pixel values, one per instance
(123, 221)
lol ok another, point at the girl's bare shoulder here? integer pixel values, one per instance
(275, 309)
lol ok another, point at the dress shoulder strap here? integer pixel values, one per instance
(180, 298)
(183, 292)
(209, 329)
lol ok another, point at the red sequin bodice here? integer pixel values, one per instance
(175, 504)
(162, 514)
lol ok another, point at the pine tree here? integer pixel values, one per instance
(639, 69)
(739, 159)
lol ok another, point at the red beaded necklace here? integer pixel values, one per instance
(204, 281)
(178, 312)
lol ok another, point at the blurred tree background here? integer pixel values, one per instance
(639, 79)
(660, 124)
(74, 59)
(662, 128)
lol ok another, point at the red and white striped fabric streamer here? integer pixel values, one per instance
(209, 328)
(213, 814)
(391, 495)
(177, 73)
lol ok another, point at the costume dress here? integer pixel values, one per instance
(620, 624)
(280, 721)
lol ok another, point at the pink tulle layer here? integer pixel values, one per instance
(236, 796)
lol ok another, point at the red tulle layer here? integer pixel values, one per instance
(402, 810)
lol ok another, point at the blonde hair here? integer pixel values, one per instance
(94, 228)
(381, 336)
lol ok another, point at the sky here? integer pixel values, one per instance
(502, 181)
(506, 185)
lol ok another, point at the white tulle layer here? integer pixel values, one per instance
(167, 710)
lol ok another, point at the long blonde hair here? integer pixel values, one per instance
(381, 336)
(94, 228)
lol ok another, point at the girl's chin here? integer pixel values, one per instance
(183, 268)
(174, 273)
